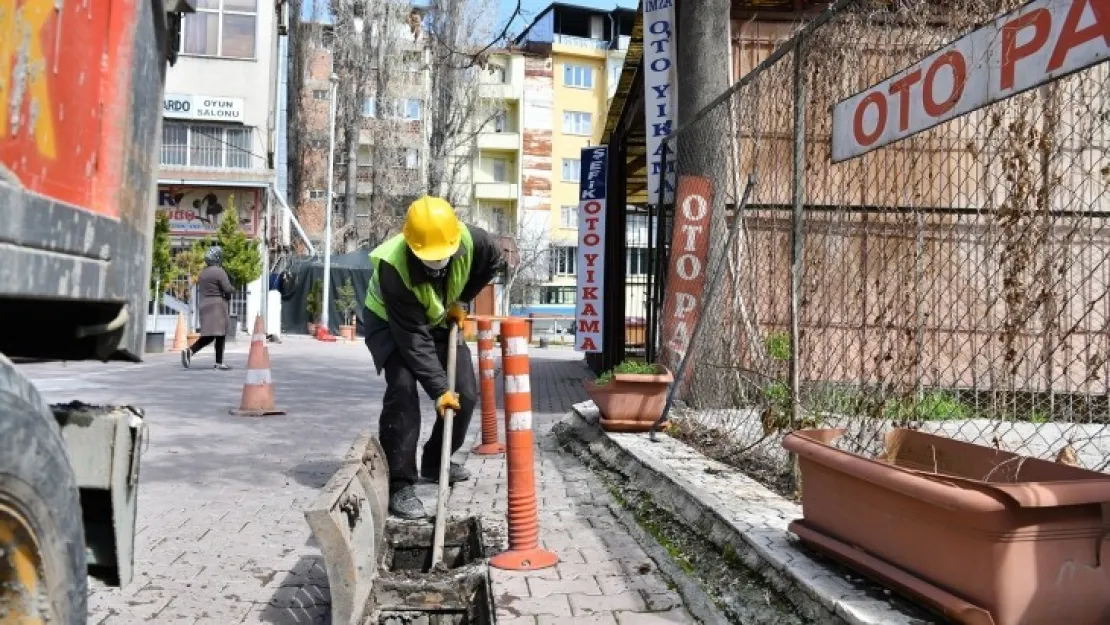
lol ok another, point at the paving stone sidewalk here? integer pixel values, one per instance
(221, 533)
(603, 576)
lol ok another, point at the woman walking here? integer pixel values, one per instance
(214, 290)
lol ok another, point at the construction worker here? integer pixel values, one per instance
(422, 277)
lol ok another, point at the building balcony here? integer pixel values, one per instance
(496, 191)
(500, 91)
(499, 141)
(582, 42)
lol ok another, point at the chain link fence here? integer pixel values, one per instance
(956, 281)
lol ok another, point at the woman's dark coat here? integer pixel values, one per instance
(214, 291)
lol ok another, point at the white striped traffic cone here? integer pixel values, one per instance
(258, 393)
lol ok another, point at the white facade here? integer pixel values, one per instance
(218, 139)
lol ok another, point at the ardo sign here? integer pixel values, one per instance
(1040, 42)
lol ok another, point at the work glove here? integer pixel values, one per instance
(448, 400)
(457, 314)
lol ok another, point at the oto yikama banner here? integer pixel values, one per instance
(687, 271)
(591, 251)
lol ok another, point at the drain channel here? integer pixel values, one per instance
(407, 592)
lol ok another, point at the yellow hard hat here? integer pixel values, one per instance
(432, 230)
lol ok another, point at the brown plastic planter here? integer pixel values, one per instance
(631, 402)
(981, 535)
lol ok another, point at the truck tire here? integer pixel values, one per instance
(42, 539)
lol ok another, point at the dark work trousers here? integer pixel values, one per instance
(399, 424)
(203, 342)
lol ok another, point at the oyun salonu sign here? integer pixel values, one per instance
(659, 96)
(205, 107)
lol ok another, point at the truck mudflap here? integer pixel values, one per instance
(348, 521)
(104, 444)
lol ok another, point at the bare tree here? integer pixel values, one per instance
(457, 114)
(531, 266)
(409, 106)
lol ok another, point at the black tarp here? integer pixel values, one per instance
(302, 272)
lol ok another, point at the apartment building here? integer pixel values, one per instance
(218, 133)
(574, 55)
(388, 170)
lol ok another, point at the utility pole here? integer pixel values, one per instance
(330, 208)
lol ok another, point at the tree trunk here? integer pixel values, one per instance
(703, 74)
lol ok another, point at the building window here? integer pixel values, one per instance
(319, 94)
(500, 121)
(562, 260)
(500, 168)
(406, 158)
(577, 123)
(572, 169)
(317, 194)
(498, 73)
(412, 60)
(580, 76)
(568, 216)
(194, 145)
(636, 261)
(557, 295)
(369, 107)
(223, 28)
(413, 109)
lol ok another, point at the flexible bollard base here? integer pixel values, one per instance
(488, 449)
(525, 560)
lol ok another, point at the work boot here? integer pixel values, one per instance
(457, 473)
(406, 505)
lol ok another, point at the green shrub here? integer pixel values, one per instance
(778, 346)
(628, 366)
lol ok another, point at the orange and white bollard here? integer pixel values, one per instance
(524, 552)
(488, 386)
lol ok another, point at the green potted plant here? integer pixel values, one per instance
(346, 303)
(631, 396)
(313, 304)
(242, 258)
(188, 263)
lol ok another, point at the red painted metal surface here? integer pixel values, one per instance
(64, 84)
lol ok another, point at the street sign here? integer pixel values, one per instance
(591, 251)
(1035, 44)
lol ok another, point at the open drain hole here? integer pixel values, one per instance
(479, 612)
(409, 547)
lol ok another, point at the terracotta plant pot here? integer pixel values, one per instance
(982, 535)
(193, 336)
(631, 402)
(347, 332)
(312, 328)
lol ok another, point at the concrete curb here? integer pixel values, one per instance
(734, 512)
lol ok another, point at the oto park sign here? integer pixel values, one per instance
(1038, 43)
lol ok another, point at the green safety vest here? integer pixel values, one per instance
(395, 252)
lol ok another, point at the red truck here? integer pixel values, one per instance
(80, 127)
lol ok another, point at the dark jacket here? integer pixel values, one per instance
(407, 330)
(214, 292)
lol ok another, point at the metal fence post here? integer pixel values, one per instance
(796, 232)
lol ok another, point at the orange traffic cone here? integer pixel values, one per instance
(180, 334)
(258, 393)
